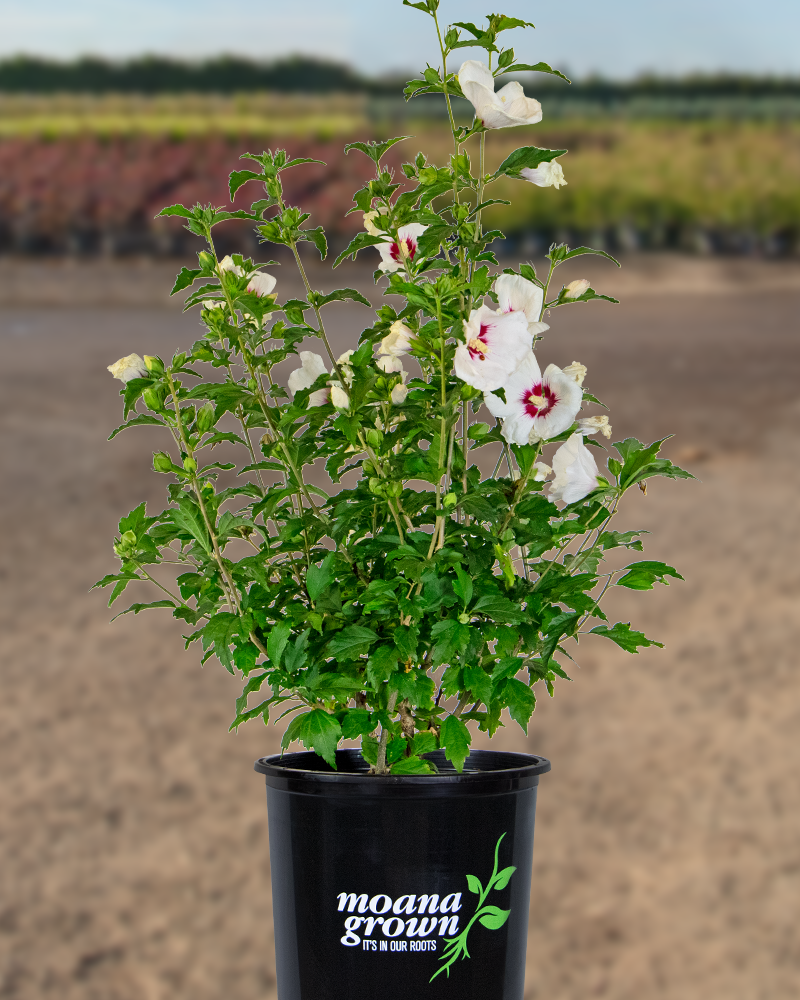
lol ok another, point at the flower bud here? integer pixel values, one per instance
(399, 394)
(205, 418)
(206, 260)
(374, 438)
(339, 397)
(375, 485)
(129, 367)
(152, 397)
(154, 364)
(576, 288)
(162, 462)
(189, 464)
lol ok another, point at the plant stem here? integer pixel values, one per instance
(380, 766)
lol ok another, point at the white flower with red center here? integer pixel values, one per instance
(517, 294)
(576, 472)
(537, 407)
(545, 175)
(395, 253)
(260, 283)
(495, 344)
(504, 109)
(305, 377)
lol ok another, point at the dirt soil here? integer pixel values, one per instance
(134, 859)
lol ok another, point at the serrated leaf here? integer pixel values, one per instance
(455, 739)
(627, 638)
(319, 578)
(276, 642)
(375, 150)
(500, 609)
(521, 702)
(185, 278)
(424, 742)
(540, 67)
(138, 421)
(643, 575)
(382, 664)
(412, 765)
(357, 722)
(340, 295)
(351, 642)
(359, 242)
(317, 731)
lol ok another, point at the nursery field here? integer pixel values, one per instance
(133, 830)
(88, 175)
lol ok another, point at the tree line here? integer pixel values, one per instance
(226, 74)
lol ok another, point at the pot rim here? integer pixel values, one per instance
(486, 772)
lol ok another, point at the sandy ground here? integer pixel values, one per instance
(133, 832)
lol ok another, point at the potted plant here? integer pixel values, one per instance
(429, 591)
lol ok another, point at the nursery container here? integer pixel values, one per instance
(378, 881)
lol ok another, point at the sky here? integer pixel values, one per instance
(618, 38)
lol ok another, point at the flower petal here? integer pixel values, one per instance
(575, 471)
(515, 293)
(495, 344)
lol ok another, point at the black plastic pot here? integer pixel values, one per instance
(413, 886)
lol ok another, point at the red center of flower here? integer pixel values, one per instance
(478, 347)
(406, 252)
(539, 400)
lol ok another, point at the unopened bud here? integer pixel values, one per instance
(375, 485)
(189, 464)
(162, 462)
(205, 417)
(152, 398)
(374, 438)
(154, 364)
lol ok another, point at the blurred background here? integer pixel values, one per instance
(133, 834)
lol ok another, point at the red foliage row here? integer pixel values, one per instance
(87, 192)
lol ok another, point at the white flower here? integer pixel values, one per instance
(305, 377)
(389, 363)
(395, 253)
(545, 175)
(261, 283)
(211, 304)
(576, 288)
(399, 394)
(343, 361)
(576, 371)
(339, 397)
(508, 107)
(397, 341)
(575, 469)
(536, 408)
(542, 472)
(593, 425)
(495, 344)
(129, 367)
(226, 264)
(517, 294)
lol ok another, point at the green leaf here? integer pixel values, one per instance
(626, 637)
(375, 150)
(359, 242)
(540, 67)
(412, 765)
(340, 295)
(493, 917)
(502, 878)
(295, 656)
(138, 421)
(406, 638)
(239, 177)
(220, 631)
(317, 237)
(500, 609)
(520, 700)
(642, 575)
(357, 722)
(479, 683)
(276, 642)
(558, 254)
(184, 213)
(526, 156)
(463, 585)
(351, 642)
(382, 664)
(319, 578)
(424, 742)
(190, 519)
(317, 731)
(474, 884)
(640, 463)
(455, 739)
(186, 277)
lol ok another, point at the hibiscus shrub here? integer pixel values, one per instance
(423, 594)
